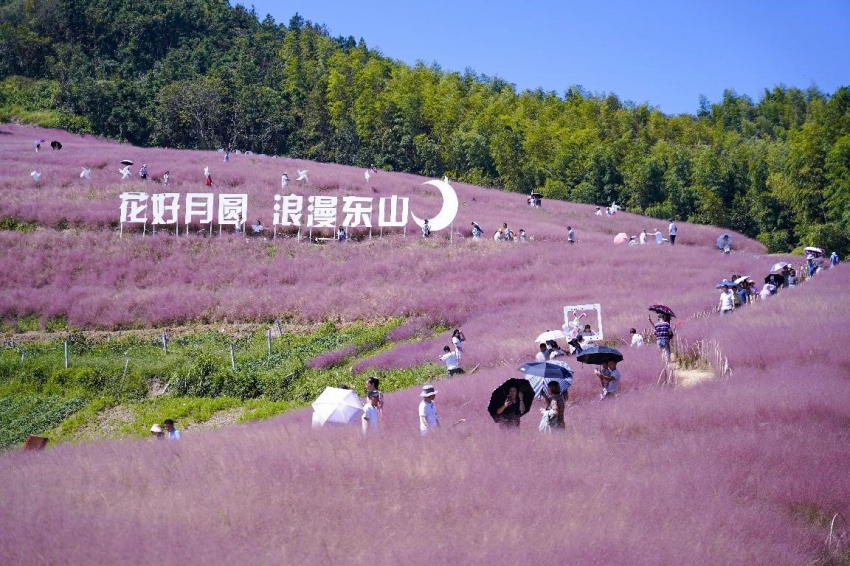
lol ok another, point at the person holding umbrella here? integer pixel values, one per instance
(663, 334)
(510, 412)
(609, 376)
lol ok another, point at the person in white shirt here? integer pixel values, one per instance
(643, 236)
(371, 416)
(659, 237)
(637, 339)
(450, 359)
(374, 384)
(672, 230)
(428, 419)
(458, 339)
(543, 354)
(727, 300)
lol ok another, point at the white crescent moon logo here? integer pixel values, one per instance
(450, 206)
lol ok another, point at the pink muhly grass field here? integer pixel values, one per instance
(749, 468)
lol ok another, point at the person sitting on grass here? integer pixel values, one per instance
(578, 344)
(554, 350)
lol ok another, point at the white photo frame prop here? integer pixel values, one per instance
(576, 316)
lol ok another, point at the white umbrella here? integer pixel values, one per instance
(550, 335)
(337, 405)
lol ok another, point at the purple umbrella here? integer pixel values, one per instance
(661, 309)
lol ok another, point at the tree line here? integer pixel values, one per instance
(201, 74)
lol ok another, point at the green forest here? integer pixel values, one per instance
(202, 74)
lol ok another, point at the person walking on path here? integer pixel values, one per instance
(374, 384)
(571, 235)
(371, 415)
(672, 230)
(171, 432)
(727, 301)
(429, 421)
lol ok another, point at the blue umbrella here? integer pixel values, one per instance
(541, 373)
(546, 369)
(724, 240)
(725, 283)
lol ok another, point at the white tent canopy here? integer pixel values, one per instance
(337, 405)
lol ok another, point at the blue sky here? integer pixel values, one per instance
(665, 53)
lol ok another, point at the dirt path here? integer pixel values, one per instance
(689, 377)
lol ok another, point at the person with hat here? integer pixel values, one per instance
(428, 419)
(157, 431)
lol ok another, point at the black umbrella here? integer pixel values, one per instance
(661, 309)
(599, 354)
(497, 399)
(775, 279)
(126, 162)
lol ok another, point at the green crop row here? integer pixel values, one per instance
(196, 376)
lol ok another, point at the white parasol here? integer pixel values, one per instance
(337, 405)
